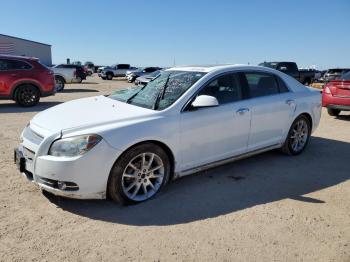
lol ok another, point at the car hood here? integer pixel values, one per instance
(88, 112)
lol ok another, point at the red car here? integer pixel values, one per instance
(336, 95)
(25, 80)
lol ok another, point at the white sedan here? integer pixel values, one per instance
(129, 145)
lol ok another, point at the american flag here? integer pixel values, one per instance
(7, 48)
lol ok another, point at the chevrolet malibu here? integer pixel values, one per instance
(128, 145)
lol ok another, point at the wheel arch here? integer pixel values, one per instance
(18, 85)
(162, 145)
(308, 116)
(61, 76)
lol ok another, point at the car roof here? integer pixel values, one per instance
(18, 57)
(213, 68)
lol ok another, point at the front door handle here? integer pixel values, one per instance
(242, 111)
(290, 102)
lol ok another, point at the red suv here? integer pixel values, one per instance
(336, 95)
(25, 80)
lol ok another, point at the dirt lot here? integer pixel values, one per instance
(266, 208)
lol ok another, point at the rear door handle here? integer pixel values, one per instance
(13, 74)
(290, 102)
(242, 111)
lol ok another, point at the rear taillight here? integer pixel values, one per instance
(327, 90)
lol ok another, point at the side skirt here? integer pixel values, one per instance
(224, 161)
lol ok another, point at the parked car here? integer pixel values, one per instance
(100, 69)
(141, 72)
(114, 71)
(130, 144)
(336, 95)
(25, 80)
(333, 74)
(145, 79)
(89, 68)
(305, 77)
(133, 69)
(68, 73)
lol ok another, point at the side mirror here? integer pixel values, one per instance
(205, 101)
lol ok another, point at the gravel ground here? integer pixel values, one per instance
(265, 208)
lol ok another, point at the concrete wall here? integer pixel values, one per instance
(15, 46)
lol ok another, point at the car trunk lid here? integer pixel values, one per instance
(340, 88)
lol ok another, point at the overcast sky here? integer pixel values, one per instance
(185, 32)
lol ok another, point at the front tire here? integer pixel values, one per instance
(298, 136)
(109, 76)
(27, 95)
(333, 112)
(139, 174)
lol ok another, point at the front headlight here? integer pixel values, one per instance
(74, 146)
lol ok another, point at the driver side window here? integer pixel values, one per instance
(225, 88)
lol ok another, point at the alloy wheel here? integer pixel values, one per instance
(299, 135)
(143, 176)
(27, 95)
(59, 84)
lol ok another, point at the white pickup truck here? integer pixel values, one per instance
(66, 74)
(118, 70)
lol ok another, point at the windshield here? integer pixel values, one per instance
(334, 71)
(346, 76)
(161, 92)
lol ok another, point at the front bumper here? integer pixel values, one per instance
(81, 177)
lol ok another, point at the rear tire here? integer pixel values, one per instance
(333, 112)
(298, 136)
(59, 83)
(27, 95)
(132, 180)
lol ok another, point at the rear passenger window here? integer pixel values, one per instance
(4, 65)
(261, 84)
(225, 88)
(20, 65)
(7, 64)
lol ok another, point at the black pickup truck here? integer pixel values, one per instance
(305, 77)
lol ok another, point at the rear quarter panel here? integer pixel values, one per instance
(310, 102)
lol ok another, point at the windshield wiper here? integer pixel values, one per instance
(131, 97)
(161, 94)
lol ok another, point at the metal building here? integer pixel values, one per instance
(11, 45)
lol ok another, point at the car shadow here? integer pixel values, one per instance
(344, 117)
(78, 90)
(10, 108)
(243, 184)
(89, 83)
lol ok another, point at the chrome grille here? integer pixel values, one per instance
(32, 136)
